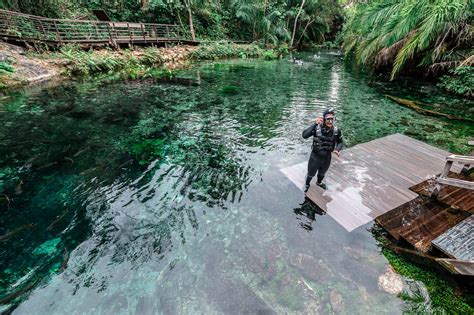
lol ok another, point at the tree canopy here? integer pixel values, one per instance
(265, 21)
(433, 35)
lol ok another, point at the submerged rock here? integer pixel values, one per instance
(390, 282)
(337, 302)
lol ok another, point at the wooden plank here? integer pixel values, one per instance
(427, 228)
(464, 159)
(402, 218)
(457, 266)
(456, 197)
(457, 183)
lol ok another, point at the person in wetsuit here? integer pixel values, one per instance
(327, 138)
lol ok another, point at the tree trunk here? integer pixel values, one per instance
(190, 15)
(296, 22)
(304, 31)
(180, 21)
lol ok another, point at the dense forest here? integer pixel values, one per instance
(426, 37)
(274, 22)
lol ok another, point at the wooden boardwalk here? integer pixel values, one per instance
(372, 178)
(35, 29)
(456, 197)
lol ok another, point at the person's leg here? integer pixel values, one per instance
(313, 165)
(322, 170)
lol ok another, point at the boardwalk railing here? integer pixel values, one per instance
(39, 29)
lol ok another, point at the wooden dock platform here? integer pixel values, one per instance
(372, 178)
(419, 221)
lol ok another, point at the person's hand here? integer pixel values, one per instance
(337, 153)
(319, 120)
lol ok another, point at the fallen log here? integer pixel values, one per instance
(416, 107)
(10, 234)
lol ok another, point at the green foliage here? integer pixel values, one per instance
(441, 292)
(147, 150)
(131, 65)
(6, 79)
(425, 33)
(6, 68)
(222, 50)
(269, 55)
(81, 62)
(460, 81)
(151, 57)
(263, 21)
(230, 90)
(442, 295)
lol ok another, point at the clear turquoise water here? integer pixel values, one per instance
(153, 198)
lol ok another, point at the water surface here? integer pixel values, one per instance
(146, 198)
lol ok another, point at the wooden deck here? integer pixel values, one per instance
(420, 221)
(456, 197)
(372, 178)
(36, 29)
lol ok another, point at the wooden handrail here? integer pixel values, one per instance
(34, 28)
(443, 177)
(464, 159)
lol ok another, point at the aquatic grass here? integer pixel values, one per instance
(442, 293)
(230, 90)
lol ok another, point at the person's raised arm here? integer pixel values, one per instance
(308, 132)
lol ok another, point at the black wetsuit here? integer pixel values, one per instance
(328, 140)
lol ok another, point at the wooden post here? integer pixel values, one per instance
(447, 167)
(444, 174)
(42, 28)
(97, 31)
(111, 40)
(143, 32)
(130, 34)
(58, 36)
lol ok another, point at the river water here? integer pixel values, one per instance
(145, 198)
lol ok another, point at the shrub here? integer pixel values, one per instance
(459, 81)
(6, 68)
(221, 50)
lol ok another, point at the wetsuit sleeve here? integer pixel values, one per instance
(308, 132)
(339, 141)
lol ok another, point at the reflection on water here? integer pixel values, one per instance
(162, 198)
(309, 210)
